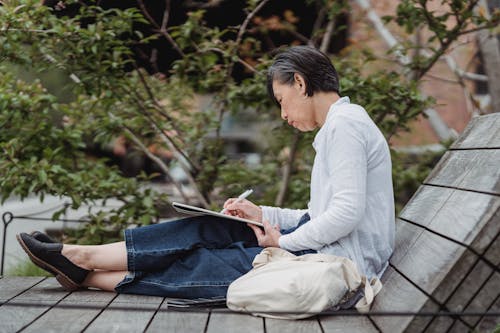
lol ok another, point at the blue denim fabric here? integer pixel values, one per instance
(196, 257)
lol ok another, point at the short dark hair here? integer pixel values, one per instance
(313, 65)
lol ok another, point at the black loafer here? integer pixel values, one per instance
(40, 236)
(48, 256)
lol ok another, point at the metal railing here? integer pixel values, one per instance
(8, 218)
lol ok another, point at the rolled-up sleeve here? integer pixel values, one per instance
(284, 217)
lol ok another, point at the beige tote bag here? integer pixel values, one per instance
(285, 286)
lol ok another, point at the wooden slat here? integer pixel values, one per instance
(406, 236)
(11, 286)
(310, 325)
(429, 261)
(460, 327)
(419, 323)
(241, 323)
(460, 294)
(464, 215)
(425, 204)
(21, 310)
(460, 298)
(397, 295)
(456, 291)
(484, 300)
(475, 279)
(342, 324)
(481, 132)
(488, 324)
(67, 317)
(127, 313)
(178, 321)
(460, 215)
(441, 293)
(475, 170)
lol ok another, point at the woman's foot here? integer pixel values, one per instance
(40, 236)
(44, 239)
(48, 256)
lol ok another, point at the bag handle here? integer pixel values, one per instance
(371, 290)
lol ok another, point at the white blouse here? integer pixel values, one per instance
(351, 197)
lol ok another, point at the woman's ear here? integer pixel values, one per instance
(299, 81)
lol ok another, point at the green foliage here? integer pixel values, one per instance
(408, 173)
(27, 268)
(443, 26)
(43, 138)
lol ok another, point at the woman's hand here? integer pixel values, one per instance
(269, 237)
(244, 209)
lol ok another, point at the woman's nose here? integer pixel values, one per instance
(283, 115)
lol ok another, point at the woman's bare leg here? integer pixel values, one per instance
(104, 280)
(108, 257)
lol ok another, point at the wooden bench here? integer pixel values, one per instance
(446, 259)
(447, 241)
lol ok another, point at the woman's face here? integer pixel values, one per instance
(296, 107)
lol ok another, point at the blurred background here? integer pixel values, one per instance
(108, 112)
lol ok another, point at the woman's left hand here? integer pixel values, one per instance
(269, 237)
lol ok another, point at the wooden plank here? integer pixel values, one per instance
(487, 236)
(178, 321)
(397, 295)
(465, 215)
(475, 170)
(461, 216)
(484, 300)
(419, 323)
(426, 269)
(429, 261)
(310, 325)
(234, 322)
(465, 292)
(460, 327)
(11, 286)
(22, 310)
(406, 236)
(67, 317)
(455, 291)
(445, 289)
(425, 204)
(475, 279)
(481, 132)
(341, 324)
(127, 313)
(488, 324)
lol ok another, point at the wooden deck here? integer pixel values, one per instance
(36, 304)
(446, 259)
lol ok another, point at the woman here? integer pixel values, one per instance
(350, 212)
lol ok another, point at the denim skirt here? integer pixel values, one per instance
(196, 257)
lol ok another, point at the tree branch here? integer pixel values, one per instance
(171, 143)
(287, 170)
(179, 156)
(317, 23)
(157, 160)
(241, 61)
(160, 29)
(158, 106)
(249, 17)
(325, 42)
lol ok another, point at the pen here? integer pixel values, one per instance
(241, 197)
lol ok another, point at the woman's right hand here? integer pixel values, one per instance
(244, 209)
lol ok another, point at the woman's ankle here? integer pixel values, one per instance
(78, 255)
